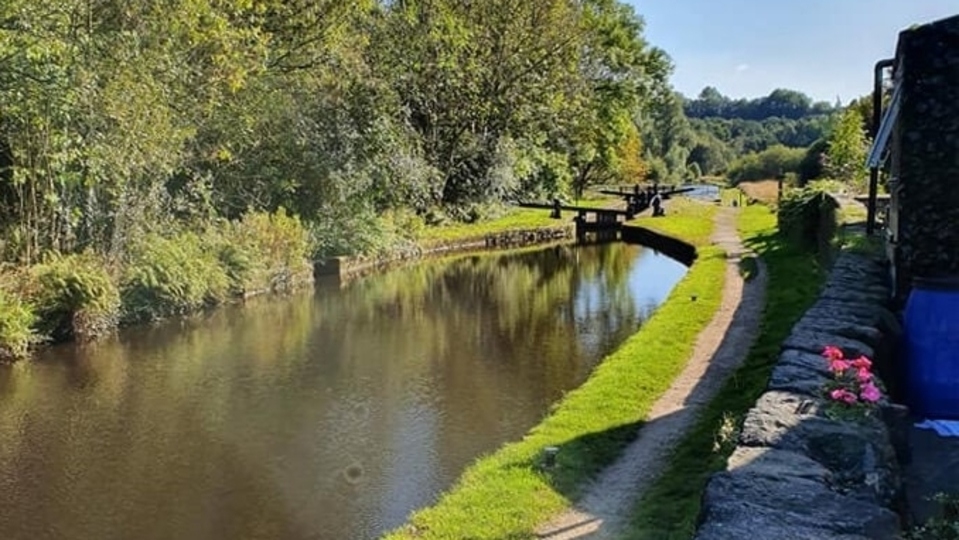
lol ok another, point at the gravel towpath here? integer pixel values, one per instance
(721, 347)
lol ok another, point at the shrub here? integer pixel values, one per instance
(808, 217)
(16, 323)
(364, 232)
(74, 297)
(347, 230)
(172, 276)
(265, 252)
(770, 163)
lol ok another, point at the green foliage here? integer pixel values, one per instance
(781, 103)
(785, 117)
(342, 231)
(148, 118)
(710, 154)
(171, 276)
(848, 147)
(813, 162)
(941, 527)
(16, 326)
(75, 296)
(667, 138)
(265, 252)
(808, 218)
(774, 162)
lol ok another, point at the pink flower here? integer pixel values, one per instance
(841, 394)
(861, 363)
(838, 365)
(864, 375)
(870, 393)
(832, 353)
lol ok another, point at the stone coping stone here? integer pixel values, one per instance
(742, 504)
(816, 341)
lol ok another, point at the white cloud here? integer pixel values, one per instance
(742, 67)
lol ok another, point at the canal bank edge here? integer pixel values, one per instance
(345, 267)
(513, 490)
(795, 472)
(670, 246)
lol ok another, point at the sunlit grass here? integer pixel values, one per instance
(515, 219)
(508, 494)
(670, 508)
(687, 219)
(852, 213)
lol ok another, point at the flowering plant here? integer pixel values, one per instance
(853, 390)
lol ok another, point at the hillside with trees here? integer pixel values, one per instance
(750, 139)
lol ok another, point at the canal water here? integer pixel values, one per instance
(325, 415)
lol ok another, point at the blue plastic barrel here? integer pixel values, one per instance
(931, 328)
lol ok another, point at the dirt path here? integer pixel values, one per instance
(719, 349)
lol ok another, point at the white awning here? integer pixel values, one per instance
(889, 119)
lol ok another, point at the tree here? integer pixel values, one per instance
(709, 154)
(846, 157)
(667, 136)
(811, 166)
(630, 165)
(621, 75)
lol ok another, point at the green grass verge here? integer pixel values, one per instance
(508, 494)
(517, 218)
(669, 510)
(687, 219)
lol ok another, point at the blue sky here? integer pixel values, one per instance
(747, 48)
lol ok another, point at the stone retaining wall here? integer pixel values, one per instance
(797, 474)
(345, 267)
(672, 247)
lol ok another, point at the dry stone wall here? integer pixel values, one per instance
(796, 473)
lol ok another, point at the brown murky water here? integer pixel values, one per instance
(328, 415)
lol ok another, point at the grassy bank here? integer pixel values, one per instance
(508, 493)
(516, 218)
(689, 220)
(670, 508)
(179, 271)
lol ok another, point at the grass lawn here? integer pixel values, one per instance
(670, 508)
(509, 493)
(687, 219)
(516, 218)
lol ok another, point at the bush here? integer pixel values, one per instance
(811, 165)
(172, 276)
(16, 326)
(808, 217)
(74, 297)
(363, 232)
(265, 252)
(770, 163)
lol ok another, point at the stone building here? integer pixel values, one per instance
(923, 135)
